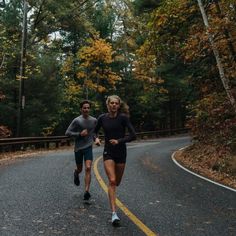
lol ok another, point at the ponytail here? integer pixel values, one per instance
(124, 108)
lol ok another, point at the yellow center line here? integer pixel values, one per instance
(126, 211)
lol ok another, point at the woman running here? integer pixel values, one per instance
(114, 124)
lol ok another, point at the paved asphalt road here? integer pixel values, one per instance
(37, 197)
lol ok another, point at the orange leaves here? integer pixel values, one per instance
(145, 66)
(95, 66)
(67, 65)
(81, 75)
(222, 28)
(4, 132)
(98, 51)
(90, 68)
(213, 119)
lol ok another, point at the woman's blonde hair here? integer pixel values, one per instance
(124, 108)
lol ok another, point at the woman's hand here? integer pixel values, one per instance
(97, 142)
(113, 141)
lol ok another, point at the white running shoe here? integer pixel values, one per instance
(115, 219)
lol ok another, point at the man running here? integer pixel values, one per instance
(82, 129)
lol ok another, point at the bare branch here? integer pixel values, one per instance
(3, 58)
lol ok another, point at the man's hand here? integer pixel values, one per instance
(84, 132)
(113, 141)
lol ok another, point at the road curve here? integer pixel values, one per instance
(37, 197)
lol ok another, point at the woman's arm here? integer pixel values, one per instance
(132, 135)
(97, 141)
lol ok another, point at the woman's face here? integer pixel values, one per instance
(113, 105)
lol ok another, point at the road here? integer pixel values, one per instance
(38, 197)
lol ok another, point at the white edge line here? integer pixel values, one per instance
(209, 180)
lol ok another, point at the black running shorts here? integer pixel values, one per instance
(118, 155)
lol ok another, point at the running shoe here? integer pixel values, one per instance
(76, 178)
(115, 219)
(87, 196)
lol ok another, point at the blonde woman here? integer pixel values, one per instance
(114, 124)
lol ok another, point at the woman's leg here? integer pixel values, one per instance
(119, 171)
(109, 166)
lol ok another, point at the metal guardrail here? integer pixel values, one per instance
(14, 144)
(161, 133)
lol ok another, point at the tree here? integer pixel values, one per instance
(224, 79)
(93, 70)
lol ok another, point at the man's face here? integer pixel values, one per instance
(85, 109)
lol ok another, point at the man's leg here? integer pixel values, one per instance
(88, 159)
(79, 167)
(87, 179)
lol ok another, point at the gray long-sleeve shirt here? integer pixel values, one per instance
(77, 125)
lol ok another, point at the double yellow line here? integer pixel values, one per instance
(126, 211)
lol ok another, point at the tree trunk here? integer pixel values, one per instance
(224, 80)
(2, 62)
(226, 32)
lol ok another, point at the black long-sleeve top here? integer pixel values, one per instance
(115, 128)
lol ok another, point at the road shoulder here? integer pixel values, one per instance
(201, 168)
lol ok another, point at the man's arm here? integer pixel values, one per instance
(71, 130)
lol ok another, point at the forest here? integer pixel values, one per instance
(171, 61)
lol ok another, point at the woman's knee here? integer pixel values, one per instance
(88, 168)
(112, 181)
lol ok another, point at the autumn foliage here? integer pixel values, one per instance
(93, 68)
(177, 38)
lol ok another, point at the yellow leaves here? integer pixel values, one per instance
(67, 65)
(98, 51)
(145, 66)
(47, 131)
(18, 77)
(95, 61)
(222, 27)
(101, 89)
(163, 90)
(92, 68)
(119, 58)
(81, 75)
(74, 89)
(113, 78)
(170, 11)
(94, 86)
(131, 43)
